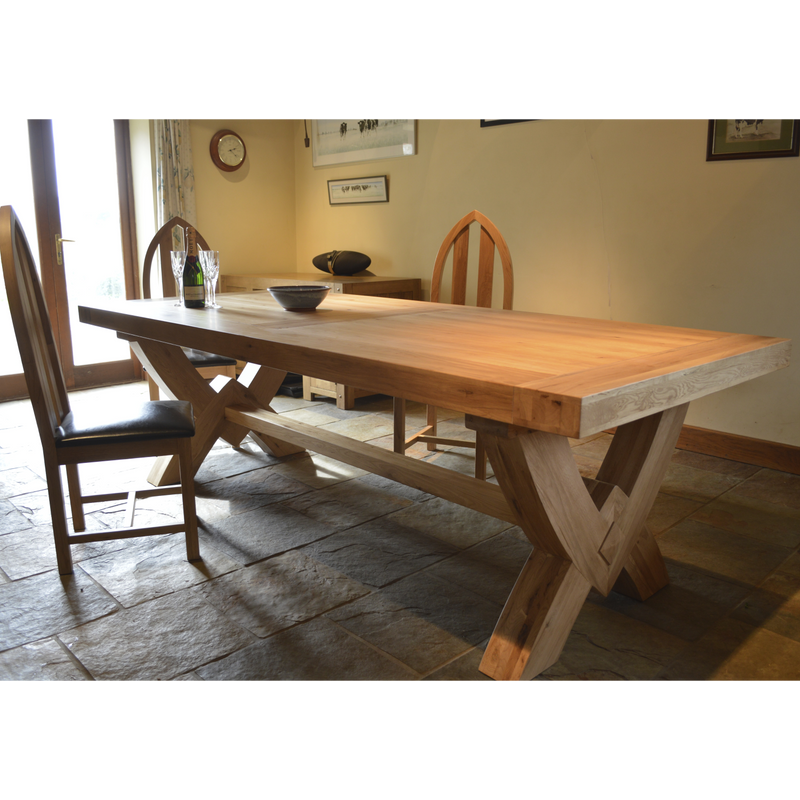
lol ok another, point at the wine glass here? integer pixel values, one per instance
(209, 260)
(178, 260)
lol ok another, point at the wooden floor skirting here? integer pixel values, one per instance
(760, 453)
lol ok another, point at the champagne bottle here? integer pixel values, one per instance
(194, 292)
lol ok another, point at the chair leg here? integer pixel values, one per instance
(431, 426)
(399, 414)
(480, 458)
(75, 498)
(58, 516)
(189, 508)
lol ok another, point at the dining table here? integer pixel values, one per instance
(529, 384)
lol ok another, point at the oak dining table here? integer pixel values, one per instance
(527, 384)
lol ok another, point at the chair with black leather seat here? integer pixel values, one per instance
(152, 429)
(457, 241)
(208, 365)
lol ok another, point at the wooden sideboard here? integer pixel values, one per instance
(365, 283)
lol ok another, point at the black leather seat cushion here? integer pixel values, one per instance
(157, 419)
(202, 359)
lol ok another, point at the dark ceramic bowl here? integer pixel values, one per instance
(299, 298)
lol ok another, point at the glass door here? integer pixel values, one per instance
(16, 190)
(82, 222)
(88, 199)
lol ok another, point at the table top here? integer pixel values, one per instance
(568, 375)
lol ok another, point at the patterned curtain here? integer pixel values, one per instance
(174, 175)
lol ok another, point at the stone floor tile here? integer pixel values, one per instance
(688, 607)
(749, 516)
(347, 504)
(11, 520)
(318, 650)
(773, 487)
(317, 471)
(29, 552)
(721, 553)
(158, 640)
(394, 488)
(776, 604)
(261, 533)
(595, 449)
(32, 551)
(362, 428)
(226, 461)
(713, 464)
(40, 606)
(458, 459)
(463, 668)
(244, 492)
(20, 481)
(489, 569)
(143, 569)
(311, 415)
(379, 552)
(696, 484)
(45, 660)
(407, 634)
(280, 593)
(669, 509)
(735, 650)
(282, 403)
(604, 645)
(449, 522)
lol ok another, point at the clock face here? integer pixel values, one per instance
(231, 150)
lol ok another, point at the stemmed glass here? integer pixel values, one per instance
(178, 260)
(209, 260)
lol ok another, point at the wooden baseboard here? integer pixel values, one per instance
(760, 453)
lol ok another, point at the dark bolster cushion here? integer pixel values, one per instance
(157, 419)
(341, 262)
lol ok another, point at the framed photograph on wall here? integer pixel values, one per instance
(352, 191)
(752, 138)
(346, 141)
(490, 123)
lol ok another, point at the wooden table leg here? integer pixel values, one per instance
(178, 379)
(537, 618)
(636, 462)
(585, 533)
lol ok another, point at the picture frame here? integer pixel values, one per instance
(490, 123)
(348, 141)
(356, 191)
(731, 139)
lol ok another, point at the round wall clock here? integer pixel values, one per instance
(227, 150)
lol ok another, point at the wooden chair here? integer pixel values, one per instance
(457, 240)
(155, 428)
(207, 364)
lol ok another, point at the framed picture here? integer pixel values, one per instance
(351, 191)
(345, 141)
(752, 138)
(488, 123)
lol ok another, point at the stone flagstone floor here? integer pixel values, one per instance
(313, 570)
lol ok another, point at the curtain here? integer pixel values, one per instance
(174, 175)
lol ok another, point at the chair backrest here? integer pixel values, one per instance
(163, 242)
(37, 346)
(458, 241)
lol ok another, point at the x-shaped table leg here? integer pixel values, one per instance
(178, 379)
(585, 533)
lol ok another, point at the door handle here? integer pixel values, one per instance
(59, 253)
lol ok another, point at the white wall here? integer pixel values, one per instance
(611, 219)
